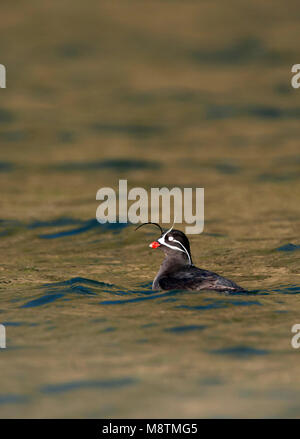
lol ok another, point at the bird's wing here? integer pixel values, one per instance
(194, 278)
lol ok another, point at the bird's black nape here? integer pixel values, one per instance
(154, 224)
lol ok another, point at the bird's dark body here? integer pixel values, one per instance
(194, 279)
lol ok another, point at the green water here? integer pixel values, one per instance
(188, 94)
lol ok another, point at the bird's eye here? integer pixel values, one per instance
(170, 238)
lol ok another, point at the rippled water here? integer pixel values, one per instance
(179, 100)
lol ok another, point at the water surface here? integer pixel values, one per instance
(187, 94)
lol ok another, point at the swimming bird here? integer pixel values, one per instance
(177, 270)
